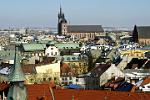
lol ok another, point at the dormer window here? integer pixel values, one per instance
(68, 58)
(73, 58)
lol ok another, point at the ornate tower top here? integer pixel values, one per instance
(16, 74)
(60, 14)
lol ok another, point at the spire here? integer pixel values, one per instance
(60, 10)
(60, 14)
(16, 74)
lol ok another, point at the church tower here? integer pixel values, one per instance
(62, 23)
(17, 90)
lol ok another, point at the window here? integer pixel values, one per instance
(68, 58)
(70, 78)
(148, 86)
(55, 53)
(65, 78)
(47, 54)
(51, 53)
(52, 48)
(73, 58)
(49, 78)
(62, 78)
(44, 79)
(79, 64)
(69, 64)
(77, 80)
(70, 82)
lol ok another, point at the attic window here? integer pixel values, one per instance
(73, 58)
(68, 58)
(148, 86)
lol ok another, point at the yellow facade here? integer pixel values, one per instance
(134, 53)
(45, 73)
(79, 67)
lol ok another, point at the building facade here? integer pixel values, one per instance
(77, 31)
(141, 35)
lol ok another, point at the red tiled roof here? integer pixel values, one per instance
(146, 81)
(65, 68)
(42, 90)
(4, 86)
(36, 91)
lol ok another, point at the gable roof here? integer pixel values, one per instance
(99, 70)
(143, 32)
(84, 28)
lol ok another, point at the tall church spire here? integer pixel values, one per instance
(62, 23)
(60, 11)
(16, 74)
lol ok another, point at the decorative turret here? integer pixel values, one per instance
(60, 14)
(17, 90)
(16, 74)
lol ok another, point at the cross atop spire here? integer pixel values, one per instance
(16, 74)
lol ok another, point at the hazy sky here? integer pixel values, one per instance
(38, 13)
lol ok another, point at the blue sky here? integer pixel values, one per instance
(43, 13)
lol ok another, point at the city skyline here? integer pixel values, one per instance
(38, 13)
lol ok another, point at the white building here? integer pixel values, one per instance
(52, 51)
(49, 70)
(145, 88)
